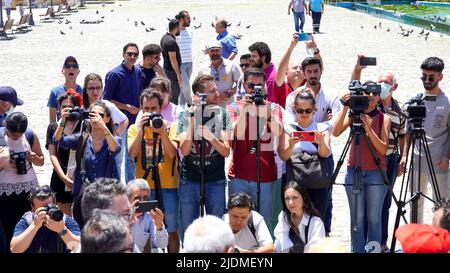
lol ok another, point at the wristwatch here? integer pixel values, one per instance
(63, 232)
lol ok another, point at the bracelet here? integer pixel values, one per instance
(62, 123)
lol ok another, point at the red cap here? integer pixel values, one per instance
(421, 238)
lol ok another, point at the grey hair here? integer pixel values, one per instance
(140, 183)
(208, 234)
(99, 195)
(105, 232)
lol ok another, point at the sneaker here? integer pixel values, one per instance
(385, 249)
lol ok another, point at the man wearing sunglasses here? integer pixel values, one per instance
(225, 73)
(245, 65)
(70, 71)
(38, 231)
(123, 85)
(437, 131)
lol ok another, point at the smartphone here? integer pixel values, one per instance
(304, 36)
(305, 135)
(146, 206)
(364, 61)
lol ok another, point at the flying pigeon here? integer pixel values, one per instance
(62, 33)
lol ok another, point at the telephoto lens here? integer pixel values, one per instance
(54, 212)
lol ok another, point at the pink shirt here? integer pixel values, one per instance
(271, 74)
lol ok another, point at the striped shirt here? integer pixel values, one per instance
(398, 121)
(184, 41)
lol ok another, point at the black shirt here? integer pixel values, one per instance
(147, 75)
(169, 44)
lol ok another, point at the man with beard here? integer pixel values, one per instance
(70, 71)
(291, 71)
(436, 126)
(225, 72)
(150, 67)
(261, 58)
(184, 41)
(172, 59)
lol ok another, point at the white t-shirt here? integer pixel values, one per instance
(305, 146)
(184, 41)
(117, 116)
(245, 239)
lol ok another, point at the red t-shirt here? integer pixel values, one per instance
(281, 93)
(243, 163)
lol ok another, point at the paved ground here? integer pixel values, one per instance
(32, 62)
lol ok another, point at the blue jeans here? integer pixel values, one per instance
(130, 165)
(391, 172)
(370, 195)
(299, 16)
(189, 198)
(267, 196)
(186, 93)
(170, 198)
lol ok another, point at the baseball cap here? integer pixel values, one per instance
(70, 59)
(421, 238)
(215, 44)
(7, 93)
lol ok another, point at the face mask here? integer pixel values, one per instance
(385, 90)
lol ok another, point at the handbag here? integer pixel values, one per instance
(309, 171)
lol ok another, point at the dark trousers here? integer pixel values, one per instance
(316, 16)
(76, 210)
(12, 208)
(329, 211)
(175, 87)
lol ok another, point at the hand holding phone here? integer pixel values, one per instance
(305, 135)
(365, 61)
(304, 36)
(146, 206)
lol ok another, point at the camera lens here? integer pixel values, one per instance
(54, 212)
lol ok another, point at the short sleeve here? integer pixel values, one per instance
(73, 226)
(21, 226)
(52, 102)
(69, 142)
(171, 45)
(173, 135)
(111, 82)
(231, 44)
(236, 72)
(132, 133)
(51, 129)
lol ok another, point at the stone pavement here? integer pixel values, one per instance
(32, 62)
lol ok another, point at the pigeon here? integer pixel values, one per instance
(410, 31)
(147, 30)
(375, 27)
(426, 34)
(103, 17)
(237, 36)
(405, 34)
(212, 24)
(135, 23)
(388, 29)
(426, 37)
(168, 19)
(401, 28)
(62, 33)
(442, 36)
(423, 30)
(362, 27)
(248, 26)
(60, 21)
(68, 22)
(197, 27)
(142, 23)
(112, 10)
(70, 27)
(432, 26)
(81, 32)
(97, 12)
(152, 28)
(128, 19)
(120, 5)
(229, 24)
(379, 25)
(239, 24)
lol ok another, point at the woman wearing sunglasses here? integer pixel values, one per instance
(292, 144)
(98, 149)
(372, 189)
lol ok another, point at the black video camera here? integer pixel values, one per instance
(417, 110)
(77, 113)
(257, 96)
(20, 160)
(54, 212)
(155, 119)
(359, 102)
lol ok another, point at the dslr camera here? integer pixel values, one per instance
(155, 120)
(77, 113)
(54, 212)
(257, 96)
(20, 160)
(358, 102)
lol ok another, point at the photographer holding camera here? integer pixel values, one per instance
(149, 128)
(96, 148)
(437, 131)
(18, 175)
(45, 227)
(362, 99)
(246, 113)
(212, 123)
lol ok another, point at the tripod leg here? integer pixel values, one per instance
(434, 183)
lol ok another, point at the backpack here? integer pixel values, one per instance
(252, 228)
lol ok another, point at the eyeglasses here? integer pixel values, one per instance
(429, 77)
(301, 111)
(132, 54)
(216, 74)
(244, 65)
(74, 66)
(98, 88)
(373, 93)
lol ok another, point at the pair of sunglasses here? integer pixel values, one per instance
(132, 54)
(301, 111)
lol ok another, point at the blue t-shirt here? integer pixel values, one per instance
(316, 5)
(228, 44)
(45, 240)
(124, 85)
(55, 93)
(97, 164)
(147, 75)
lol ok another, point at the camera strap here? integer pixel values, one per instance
(144, 154)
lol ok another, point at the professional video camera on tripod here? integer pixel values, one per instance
(367, 177)
(418, 147)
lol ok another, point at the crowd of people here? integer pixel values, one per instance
(254, 132)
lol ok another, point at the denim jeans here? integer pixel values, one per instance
(391, 172)
(370, 193)
(189, 198)
(130, 165)
(170, 198)
(299, 16)
(267, 196)
(186, 93)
